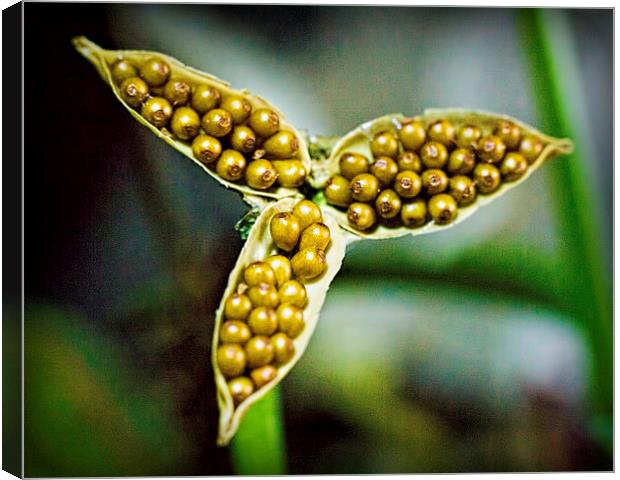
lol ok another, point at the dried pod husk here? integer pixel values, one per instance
(104, 61)
(358, 141)
(258, 247)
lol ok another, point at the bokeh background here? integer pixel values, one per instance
(486, 347)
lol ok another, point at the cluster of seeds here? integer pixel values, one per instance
(265, 313)
(420, 172)
(240, 144)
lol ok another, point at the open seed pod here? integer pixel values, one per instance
(170, 92)
(259, 246)
(537, 146)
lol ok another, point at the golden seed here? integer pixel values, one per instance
(384, 144)
(237, 307)
(316, 235)
(230, 165)
(240, 388)
(291, 173)
(263, 375)
(361, 215)
(290, 319)
(264, 295)
(259, 272)
(258, 351)
(235, 331)
(294, 293)
(263, 321)
(283, 348)
(307, 213)
(282, 145)
(308, 264)
(231, 360)
(206, 148)
(353, 164)
(285, 229)
(260, 174)
(281, 267)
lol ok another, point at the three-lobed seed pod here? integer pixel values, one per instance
(392, 176)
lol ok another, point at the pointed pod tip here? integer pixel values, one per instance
(565, 146)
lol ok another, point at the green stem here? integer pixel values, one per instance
(550, 46)
(258, 447)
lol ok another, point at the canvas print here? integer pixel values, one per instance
(304, 239)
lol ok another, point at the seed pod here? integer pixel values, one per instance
(388, 204)
(285, 229)
(177, 92)
(384, 144)
(409, 161)
(442, 208)
(434, 154)
(238, 107)
(407, 184)
(206, 148)
(470, 126)
(337, 191)
(434, 181)
(185, 123)
(307, 213)
(385, 169)
(353, 164)
(123, 69)
(412, 135)
(208, 92)
(463, 189)
(263, 375)
(231, 165)
(217, 122)
(263, 321)
(316, 235)
(260, 174)
(258, 247)
(308, 264)
(243, 139)
(282, 145)
(291, 173)
(294, 293)
(134, 91)
(205, 98)
(264, 122)
(364, 187)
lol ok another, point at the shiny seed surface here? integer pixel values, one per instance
(285, 229)
(353, 164)
(308, 264)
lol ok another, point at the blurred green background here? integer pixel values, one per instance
(486, 347)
